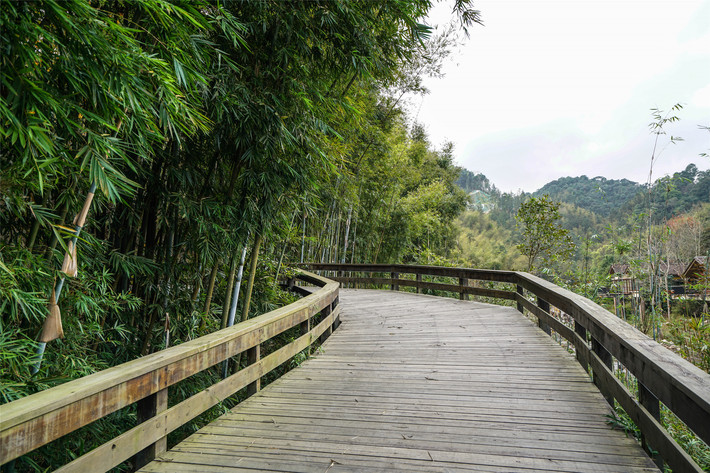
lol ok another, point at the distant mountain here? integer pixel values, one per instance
(608, 198)
(600, 195)
(471, 181)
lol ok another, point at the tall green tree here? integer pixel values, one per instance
(542, 235)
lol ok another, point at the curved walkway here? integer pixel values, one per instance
(423, 384)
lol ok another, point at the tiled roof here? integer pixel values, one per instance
(619, 268)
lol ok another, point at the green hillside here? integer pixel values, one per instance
(671, 195)
(609, 198)
(598, 194)
(607, 219)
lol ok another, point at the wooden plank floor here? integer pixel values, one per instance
(422, 384)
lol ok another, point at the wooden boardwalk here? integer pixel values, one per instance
(417, 383)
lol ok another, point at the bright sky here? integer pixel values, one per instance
(557, 88)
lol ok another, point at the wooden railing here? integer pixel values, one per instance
(33, 421)
(602, 343)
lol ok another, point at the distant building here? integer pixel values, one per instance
(696, 273)
(622, 282)
(674, 272)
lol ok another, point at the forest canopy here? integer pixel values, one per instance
(147, 145)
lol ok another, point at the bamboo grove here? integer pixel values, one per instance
(155, 152)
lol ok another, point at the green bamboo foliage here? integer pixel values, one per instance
(200, 123)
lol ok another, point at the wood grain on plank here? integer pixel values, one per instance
(416, 383)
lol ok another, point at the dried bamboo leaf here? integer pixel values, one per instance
(69, 266)
(52, 328)
(81, 218)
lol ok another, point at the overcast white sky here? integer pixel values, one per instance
(555, 88)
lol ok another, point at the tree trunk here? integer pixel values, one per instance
(334, 255)
(283, 250)
(303, 236)
(234, 302)
(320, 244)
(668, 292)
(198, 285)
(33, 235)
(352, 256)
(228, 297)
(210, 292)
(252, 274)
(237, 287)
(347, 234)
(382, 233)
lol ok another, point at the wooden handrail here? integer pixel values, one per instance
(33, 421)
(598, 336)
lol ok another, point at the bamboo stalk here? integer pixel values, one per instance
(41, 346)
(303, 237)
(347, 233)
(235, 300)
(228, 296)
(252, 275)
(283, 250)
(210, 292)
(352, 257)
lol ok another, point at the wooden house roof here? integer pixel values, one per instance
(696, 267)
(673, 269)
(619, 268)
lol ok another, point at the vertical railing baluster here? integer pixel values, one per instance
(147, 408)
(304, 328)
(606, 358)
(333, 306)
(653, 406)
(253, 356)
(580, 346)
(463, 282)
(519, 290)
(325, 312)
(544, 305)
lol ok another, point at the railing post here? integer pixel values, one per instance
(463, 282)
(651, 404)
(305, 326)
(580, 346)
(325, 312)
(394, 285)
(606, 358)
(544, 305)
(147, 408)
(519, 290)
(419, 280)
(253, 356)
(333, 305)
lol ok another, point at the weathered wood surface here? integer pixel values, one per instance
(417, 383)
(664, 377)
